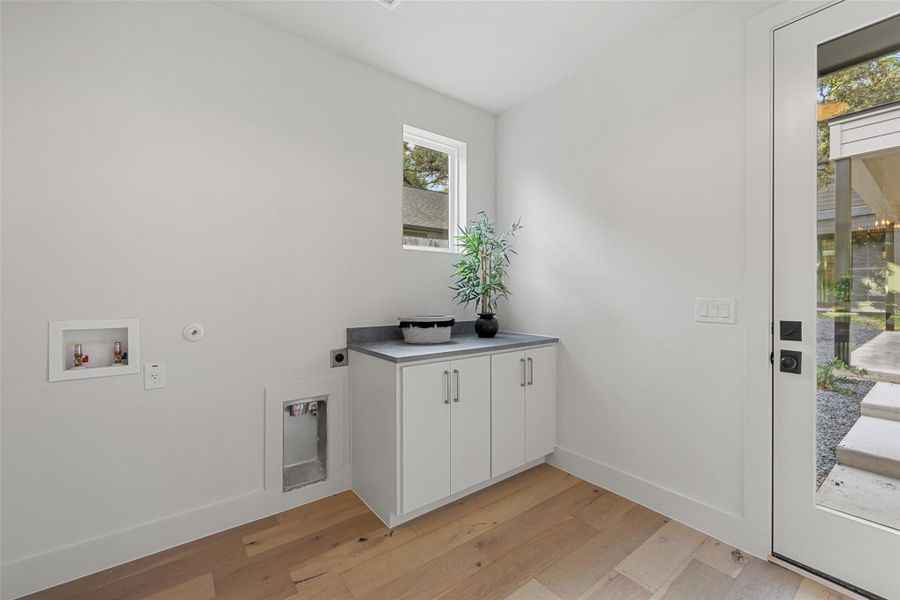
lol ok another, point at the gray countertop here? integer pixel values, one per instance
(399, 352)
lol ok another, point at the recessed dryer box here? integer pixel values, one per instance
(97, 339)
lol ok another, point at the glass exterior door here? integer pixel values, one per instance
(836, 505)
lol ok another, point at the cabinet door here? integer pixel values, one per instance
(507, 412)
(426, 435)
(470, 422)
(540, 402)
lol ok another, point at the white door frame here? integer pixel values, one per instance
(758, 198)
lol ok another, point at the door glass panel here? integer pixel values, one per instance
(858, 291)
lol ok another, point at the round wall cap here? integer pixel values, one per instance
(193, 332)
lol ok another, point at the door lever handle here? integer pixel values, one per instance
(790, 331)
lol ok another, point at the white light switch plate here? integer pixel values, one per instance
(154, 376)
(714, 310)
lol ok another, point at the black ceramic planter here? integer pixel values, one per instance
(486, 325)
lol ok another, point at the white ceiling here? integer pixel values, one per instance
(491, 54)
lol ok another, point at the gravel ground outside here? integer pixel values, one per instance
(859, 335)
(837, 411)
(836, 415)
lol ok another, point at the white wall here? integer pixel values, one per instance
(179, 163)
(629, 178)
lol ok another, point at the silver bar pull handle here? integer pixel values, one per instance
(446, 387)
(456, 397)
(530, 371)
(523, 372)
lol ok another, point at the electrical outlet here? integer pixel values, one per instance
(154, 376)
(339, 357)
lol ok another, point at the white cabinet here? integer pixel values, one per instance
(423, 433)
(470, 422)
(523, 407)
(540, 402)
(507, 411)
(446, 429)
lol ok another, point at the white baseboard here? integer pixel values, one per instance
(712, 521)
(38, 572)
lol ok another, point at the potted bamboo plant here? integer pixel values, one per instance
(481, 270)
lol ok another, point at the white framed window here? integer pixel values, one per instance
(434, 190)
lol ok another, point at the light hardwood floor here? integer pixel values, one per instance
(541, 535)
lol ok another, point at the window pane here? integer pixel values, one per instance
(426, 197)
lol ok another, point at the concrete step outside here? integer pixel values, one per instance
(882, 401)
(873, 445)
